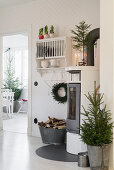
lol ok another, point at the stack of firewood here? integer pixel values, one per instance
(53, 123)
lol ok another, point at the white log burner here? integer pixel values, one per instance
(81, 81)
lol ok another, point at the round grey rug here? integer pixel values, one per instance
(56, 153)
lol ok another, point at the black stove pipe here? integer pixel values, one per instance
(95, 35)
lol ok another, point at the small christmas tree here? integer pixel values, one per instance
(96, 129)
(80, 38)
(10, 81)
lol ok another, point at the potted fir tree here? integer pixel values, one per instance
(41, 33)
(46, 35)
(11, 82)
(82, 40)
(96, 131)
(52, 31)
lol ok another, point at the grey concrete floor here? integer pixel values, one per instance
(17, 152)
(18, 123)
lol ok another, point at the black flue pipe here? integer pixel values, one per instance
(95, 35)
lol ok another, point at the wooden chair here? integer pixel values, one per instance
(8, 98)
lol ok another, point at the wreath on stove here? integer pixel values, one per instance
(56, 92)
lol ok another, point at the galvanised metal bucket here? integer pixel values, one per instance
(99, 157)
(52, 136)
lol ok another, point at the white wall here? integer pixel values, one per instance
(13, 2)
(15, 41)
(63, 14)
(107, 57)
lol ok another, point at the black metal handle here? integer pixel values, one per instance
(35, 120)
(35, 83)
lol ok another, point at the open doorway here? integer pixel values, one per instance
(15, 83)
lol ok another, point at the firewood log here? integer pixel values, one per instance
(61, 127)
(53, 123)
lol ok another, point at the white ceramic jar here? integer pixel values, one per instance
(45, 63)
(53, 63)
(46, 36)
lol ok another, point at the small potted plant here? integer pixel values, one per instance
(11, 82)
(46, 35)
(82, 40)
(52, 31)
(96, 131)
(41, 33)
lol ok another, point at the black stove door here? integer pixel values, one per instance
(73, 107)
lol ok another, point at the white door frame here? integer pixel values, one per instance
(1, 54)
(28, 30)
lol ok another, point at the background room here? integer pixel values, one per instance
(15, 82)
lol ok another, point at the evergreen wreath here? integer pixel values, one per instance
(55, 94)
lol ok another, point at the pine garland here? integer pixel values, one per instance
(55, 94)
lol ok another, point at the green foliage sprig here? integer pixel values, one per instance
(96, 129)
(41, 31)
(81, 37)
(52, 29)
(46, 29)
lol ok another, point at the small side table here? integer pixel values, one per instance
(22, 102)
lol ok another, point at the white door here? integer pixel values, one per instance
(1, 53)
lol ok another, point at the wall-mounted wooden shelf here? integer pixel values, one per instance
(48, 58)
(51, 68)
(58, 49)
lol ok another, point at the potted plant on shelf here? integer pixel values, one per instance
(81, 39)
(46, 35)
(52, 31)
(96, 131)
(41, 33)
